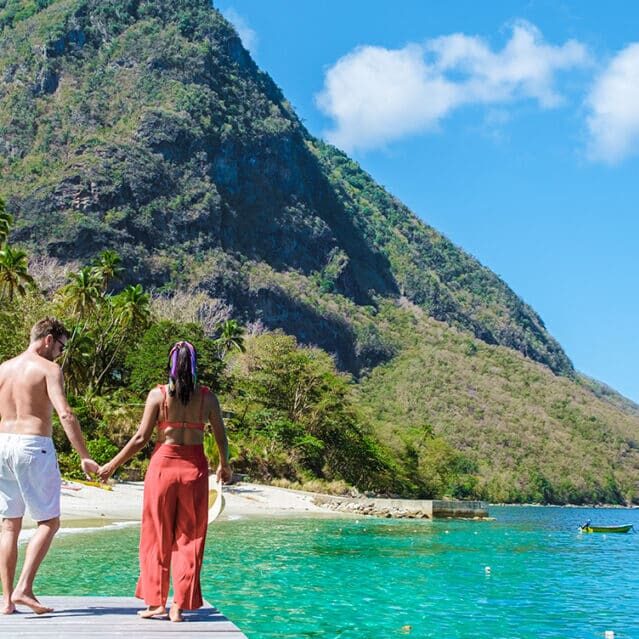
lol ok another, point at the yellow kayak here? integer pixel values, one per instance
(95, 484)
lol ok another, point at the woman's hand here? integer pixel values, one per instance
(104, 472)
(224, 472)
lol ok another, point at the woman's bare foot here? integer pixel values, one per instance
(175, 614)
(29, 600)
(152, 611)
(7, 608)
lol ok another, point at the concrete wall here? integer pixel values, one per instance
(405, 508)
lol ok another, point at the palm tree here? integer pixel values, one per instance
(13, 272)
(82, 292)
(126, 313)
(78, 356)
(107, 266)
(132, 307)
(6, 220)
(231, 338)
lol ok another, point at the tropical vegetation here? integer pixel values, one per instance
(483, 422)
(158, 185)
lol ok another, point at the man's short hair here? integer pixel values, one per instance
(48, 326)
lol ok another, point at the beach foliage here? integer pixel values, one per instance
(292, 405)
(291, 412)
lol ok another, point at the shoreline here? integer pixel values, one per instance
(89, 507)
(537, 505)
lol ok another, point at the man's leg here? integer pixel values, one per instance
(36, 552)
(8, 560)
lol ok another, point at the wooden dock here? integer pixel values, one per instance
(106, 617)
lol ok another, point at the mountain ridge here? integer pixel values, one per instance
(252, 182)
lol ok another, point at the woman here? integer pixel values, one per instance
(175, 510)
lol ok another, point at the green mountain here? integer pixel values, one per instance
(524, 432)
(145, 126)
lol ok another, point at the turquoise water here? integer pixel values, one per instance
(370, 578)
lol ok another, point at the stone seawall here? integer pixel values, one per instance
(405, 508)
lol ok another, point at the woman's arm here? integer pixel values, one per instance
(223, 472)
(141, 437)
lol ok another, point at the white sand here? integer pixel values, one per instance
(88, 506)
(268, 501)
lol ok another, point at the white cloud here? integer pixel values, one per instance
(613, 122)
(376, 95)
(247, 35)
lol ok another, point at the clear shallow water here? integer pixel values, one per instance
(370, 578)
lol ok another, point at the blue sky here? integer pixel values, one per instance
(511, 127)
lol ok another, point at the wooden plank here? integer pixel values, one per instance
(93, 617)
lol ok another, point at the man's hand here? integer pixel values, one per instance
(104, 472)
(89, 467)
(224, 472)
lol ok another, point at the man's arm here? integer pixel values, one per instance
(224, 472)
(70, 424)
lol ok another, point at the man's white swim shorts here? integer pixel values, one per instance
(29, 476)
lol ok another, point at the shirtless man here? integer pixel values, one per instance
(31, 385)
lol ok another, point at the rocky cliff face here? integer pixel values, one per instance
(145, 126)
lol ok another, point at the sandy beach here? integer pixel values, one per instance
(88, 506)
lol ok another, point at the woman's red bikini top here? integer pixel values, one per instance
(164, 412)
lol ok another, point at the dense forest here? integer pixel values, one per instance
(292, 414)
(484, 422)
(157, 185)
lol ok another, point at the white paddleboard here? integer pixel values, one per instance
(216, 502)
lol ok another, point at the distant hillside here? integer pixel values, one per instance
(145, 126)
(527, 434)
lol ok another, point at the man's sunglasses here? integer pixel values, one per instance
(63, 345)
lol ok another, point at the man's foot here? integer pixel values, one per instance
(152, 611)
(7, 608)
(29, 600)
(175, 614)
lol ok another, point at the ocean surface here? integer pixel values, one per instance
(527, 574)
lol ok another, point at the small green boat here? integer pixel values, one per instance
(589, 528)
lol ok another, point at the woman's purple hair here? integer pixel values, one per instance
(182, 371)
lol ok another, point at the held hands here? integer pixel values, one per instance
(89, 467)
(104, 472)
(224, 472)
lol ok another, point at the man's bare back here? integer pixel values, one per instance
(25, 385)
